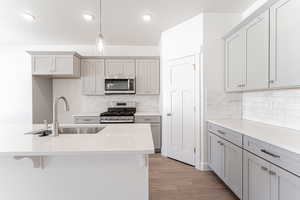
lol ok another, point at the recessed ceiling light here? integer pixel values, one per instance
(147, 17)
(28, 17)
(88, 17)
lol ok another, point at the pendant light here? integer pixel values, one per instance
(100, 38)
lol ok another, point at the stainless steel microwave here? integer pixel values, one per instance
(119, 86)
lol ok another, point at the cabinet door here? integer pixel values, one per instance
(42, 65)
(285, 40)
(284, 185)
(156, 135)
(216, 155)
(233, 167)
(88, 77)
(99, 77)
(92, 78)
(257, 52)
(63, 65)
(236, 61)
(120, 68)
(147, 77)
(256, 178)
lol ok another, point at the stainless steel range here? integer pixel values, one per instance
(119, 112)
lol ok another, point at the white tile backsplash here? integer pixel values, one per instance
(277, 107)
(71, 89)
(221, 105)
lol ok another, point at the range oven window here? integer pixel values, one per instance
(119, 85)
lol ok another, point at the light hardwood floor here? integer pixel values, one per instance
(172, 180)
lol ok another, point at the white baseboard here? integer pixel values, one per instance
(204, 167)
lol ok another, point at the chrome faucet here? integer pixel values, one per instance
(55, 127)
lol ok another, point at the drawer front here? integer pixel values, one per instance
(87, 120)
(147, 119)
(227, 134)
(285, 159)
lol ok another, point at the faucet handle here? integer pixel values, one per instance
(46, 124)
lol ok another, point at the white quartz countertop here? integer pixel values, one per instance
(285, 138)
(147, 114)
(87, 115)
(113, 139)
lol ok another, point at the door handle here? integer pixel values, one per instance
(272, 173)
(169, 114)
(264, 168)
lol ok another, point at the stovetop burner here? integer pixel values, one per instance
(119, 112)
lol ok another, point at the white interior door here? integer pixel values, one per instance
(182, 110)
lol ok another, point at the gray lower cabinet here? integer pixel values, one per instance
(155, 122)
(263, 180)
(226, 160)
(216, 156)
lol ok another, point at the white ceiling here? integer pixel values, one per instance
(61, 22)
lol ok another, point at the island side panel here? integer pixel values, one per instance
(90, 177)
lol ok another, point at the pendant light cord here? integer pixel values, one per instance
(100, 16)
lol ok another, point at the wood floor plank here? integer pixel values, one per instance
(172, 180)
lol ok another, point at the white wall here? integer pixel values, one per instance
(183, 39)
(15, 85)
(217, 103)
(180, 41)
(16, 79)
(202, 36)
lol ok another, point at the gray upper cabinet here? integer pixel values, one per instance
(247, 56)
(284, 45)
(235, 61)
(147, 76)
(120, 68)
(56, 64)
(92, 76)
(257, 53)
(262, 51)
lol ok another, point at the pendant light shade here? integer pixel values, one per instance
(100, 43)
(100, 38)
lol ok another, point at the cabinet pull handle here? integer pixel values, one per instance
(221, 132)
(272, 173)
(272, 81)
(264, 168)
(221, 143)
(241, 85)
(269, 153)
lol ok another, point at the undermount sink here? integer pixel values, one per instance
(80, 130)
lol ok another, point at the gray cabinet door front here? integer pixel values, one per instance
(256, 178)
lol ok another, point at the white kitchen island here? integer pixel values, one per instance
(109, 165)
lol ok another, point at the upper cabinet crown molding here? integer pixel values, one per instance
(262, 51)
(250, 18)
(61, 53)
